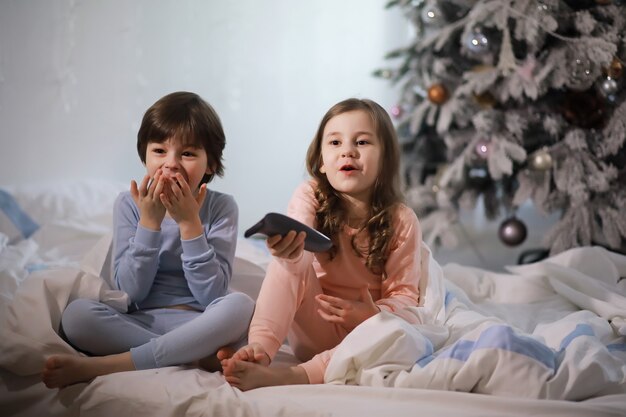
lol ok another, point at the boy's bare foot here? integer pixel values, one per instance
(213, 363)
(62, 370)
(249, 375)
(209, 363)
(226, 352)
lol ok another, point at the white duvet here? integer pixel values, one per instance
(553, 330)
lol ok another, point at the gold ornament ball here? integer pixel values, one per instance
(485, 100)
(616, 69)
(541, 161)
(437, 94)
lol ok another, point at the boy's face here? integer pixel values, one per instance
(172, 157)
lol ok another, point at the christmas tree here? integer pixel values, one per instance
(510, 100)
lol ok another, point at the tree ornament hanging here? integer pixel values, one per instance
(432, 15)
(608, 87)
(485, 100)
(482, 148)
(396, 111)
(540, 160)
(616, 69)
(542, 83)
(476, 41)
(512, 231)
(437, 94)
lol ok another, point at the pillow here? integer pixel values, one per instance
(81, 199)
(98, 260)
(15, 223)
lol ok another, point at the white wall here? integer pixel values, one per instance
(77, 76)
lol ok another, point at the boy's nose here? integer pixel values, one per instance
(171, 165)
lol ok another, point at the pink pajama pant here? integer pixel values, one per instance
(286, 307)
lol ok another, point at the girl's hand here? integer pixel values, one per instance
(183, 206)
(253, 352)
(347, 313)
(147, 198)
(290, 246)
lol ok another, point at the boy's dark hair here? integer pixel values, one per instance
(186, 117)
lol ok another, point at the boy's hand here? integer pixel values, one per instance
(147, 198)
(290, 246)
(347, 313)
(184, 206)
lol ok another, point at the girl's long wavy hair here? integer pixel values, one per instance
(332, 215)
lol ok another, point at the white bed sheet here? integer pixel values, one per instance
(66, 258)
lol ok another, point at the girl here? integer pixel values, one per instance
(316, 300)
(173, 246)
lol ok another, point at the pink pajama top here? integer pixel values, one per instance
(346, 274)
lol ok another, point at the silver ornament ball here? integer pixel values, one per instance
(432, 15)
(609, 86)
(476, 42)
(512, 232)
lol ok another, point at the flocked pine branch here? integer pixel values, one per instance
(515, 100)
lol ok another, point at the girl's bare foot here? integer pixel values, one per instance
(253, 352)
(249, 375)
(63, 370)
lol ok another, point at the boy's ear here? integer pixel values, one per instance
(210, 169)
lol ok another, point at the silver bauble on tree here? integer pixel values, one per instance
(512, 231)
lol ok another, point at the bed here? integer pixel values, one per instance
(542, 339)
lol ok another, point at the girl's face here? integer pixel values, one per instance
(172, 157)
(351, 154)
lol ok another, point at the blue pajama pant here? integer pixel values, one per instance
(158, 337)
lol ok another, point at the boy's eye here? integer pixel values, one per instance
(188, 153)
(158, 150)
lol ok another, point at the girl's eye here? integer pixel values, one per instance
(362, 142)
(334, 142)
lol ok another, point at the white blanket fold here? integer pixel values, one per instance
(553, 330)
